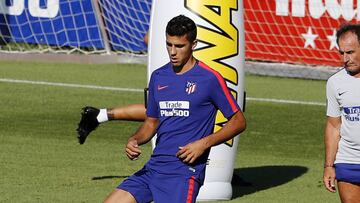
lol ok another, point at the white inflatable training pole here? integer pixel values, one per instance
(221, 46)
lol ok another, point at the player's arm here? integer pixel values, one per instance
(331, 139)
(233, 127)
(145, 132)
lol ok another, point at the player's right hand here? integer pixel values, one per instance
(329, 179)
(132, 149)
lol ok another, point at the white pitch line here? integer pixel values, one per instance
(285, 101)
(70, 85)
(141, 90)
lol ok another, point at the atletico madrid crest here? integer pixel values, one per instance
(190, 87)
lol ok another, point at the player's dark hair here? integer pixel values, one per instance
(180, 26)
(354, 28)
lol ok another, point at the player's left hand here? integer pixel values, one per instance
(190, 152)
(132, 149)
(329, 179)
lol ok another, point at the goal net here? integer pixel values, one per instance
(299, 32)
(126, 23)
(296, 31)
(84, 26)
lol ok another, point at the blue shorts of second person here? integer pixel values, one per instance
(146, 186)
(349, 173)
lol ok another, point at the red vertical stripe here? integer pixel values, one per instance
(190, 190)
(222, 84)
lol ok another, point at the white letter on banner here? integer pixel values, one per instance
(335, 10)
(358, 10)
(282, 7)
(16, 9)
(51, 10)
(298, 8)
(316, 8)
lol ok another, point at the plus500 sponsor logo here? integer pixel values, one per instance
(174, 108)
(17, 8)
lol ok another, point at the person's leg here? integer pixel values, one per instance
(134, 189)
(348, 181)
(91, 117)
(349, 192)
(174, 189)
(133, 112)
(120, 196)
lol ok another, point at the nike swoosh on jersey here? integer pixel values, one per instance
(162, 87)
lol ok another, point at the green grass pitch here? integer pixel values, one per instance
(280, 153)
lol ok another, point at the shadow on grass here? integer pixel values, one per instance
(250, 180)
(107, 177)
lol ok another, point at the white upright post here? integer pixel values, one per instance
(221, 46)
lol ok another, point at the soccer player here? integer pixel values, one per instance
(342, 132)
(184, 96)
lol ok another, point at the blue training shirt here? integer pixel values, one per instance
(186, 107)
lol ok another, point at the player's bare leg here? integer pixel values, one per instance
(133, 112)
(91, 117)
(349, 192)
(120, 196)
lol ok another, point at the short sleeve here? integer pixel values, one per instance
(332, 105)
(152, 108)
(222, 97)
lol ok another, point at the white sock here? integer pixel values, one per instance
(102, 117)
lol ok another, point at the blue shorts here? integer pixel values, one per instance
(146, 186)
(348, 172)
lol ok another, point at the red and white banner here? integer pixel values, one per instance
(296, 31)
